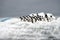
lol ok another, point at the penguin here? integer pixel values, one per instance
(42, 15)
(28, 18)
(24, 18)
(35, 18)
(31, 18)
(46, 16)
(21, 18)
(40, 18)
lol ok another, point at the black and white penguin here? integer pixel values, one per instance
(46, 16)
(28, 18)
(24, 18)
(37, 17)
(21, 18)
(31, 19)
(40, 19)
(42, 15)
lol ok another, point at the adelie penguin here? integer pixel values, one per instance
(24, 18)
(46, 17)
(21, 18)
(31, 18)
(27, 18)
(35, 18)
(38, 18)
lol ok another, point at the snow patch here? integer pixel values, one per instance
(16, 29)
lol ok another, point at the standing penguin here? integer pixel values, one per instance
(37, 17)
(28, 18)
(31, 18)
(40, 18)
(24, 18)
(46, 17)
(21, 18)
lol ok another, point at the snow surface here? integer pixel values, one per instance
(14, 29)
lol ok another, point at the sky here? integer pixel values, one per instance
(17, 8)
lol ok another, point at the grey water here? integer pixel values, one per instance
(16, 8)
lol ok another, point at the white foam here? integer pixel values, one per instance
(13, 20)
(39, 30)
